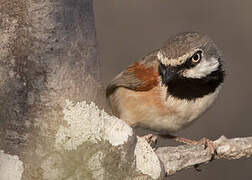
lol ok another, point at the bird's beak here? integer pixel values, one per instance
(167, 73)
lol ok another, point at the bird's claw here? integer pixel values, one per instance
(204, 141)
(208, 144)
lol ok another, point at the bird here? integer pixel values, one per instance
(169, 88)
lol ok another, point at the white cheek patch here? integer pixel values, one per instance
(203, 69)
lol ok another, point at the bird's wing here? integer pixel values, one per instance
(140, 76)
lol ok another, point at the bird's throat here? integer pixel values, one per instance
(193, 88)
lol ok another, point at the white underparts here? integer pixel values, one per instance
(186, 111)
(204, 68)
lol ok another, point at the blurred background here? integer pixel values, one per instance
(127, 30)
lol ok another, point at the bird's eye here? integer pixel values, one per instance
(196, 57)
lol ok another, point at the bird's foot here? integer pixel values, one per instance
(208, 144)
(151, 140)
(204, 141)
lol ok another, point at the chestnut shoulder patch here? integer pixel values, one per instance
(146, 75)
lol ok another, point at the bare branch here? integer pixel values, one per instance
(185, 156)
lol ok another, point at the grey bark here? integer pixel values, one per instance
(185, 156)
(48, 53)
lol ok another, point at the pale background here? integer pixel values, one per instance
(128, 29)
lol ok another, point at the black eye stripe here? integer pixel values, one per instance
(186, 65)
(189, 64)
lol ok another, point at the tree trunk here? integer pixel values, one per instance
(48, 54)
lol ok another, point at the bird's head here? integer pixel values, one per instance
(190, 65)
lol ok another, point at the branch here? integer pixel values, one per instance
(185, 156)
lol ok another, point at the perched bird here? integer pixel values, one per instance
(170, 87)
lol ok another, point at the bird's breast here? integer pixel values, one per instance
(155, 110)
